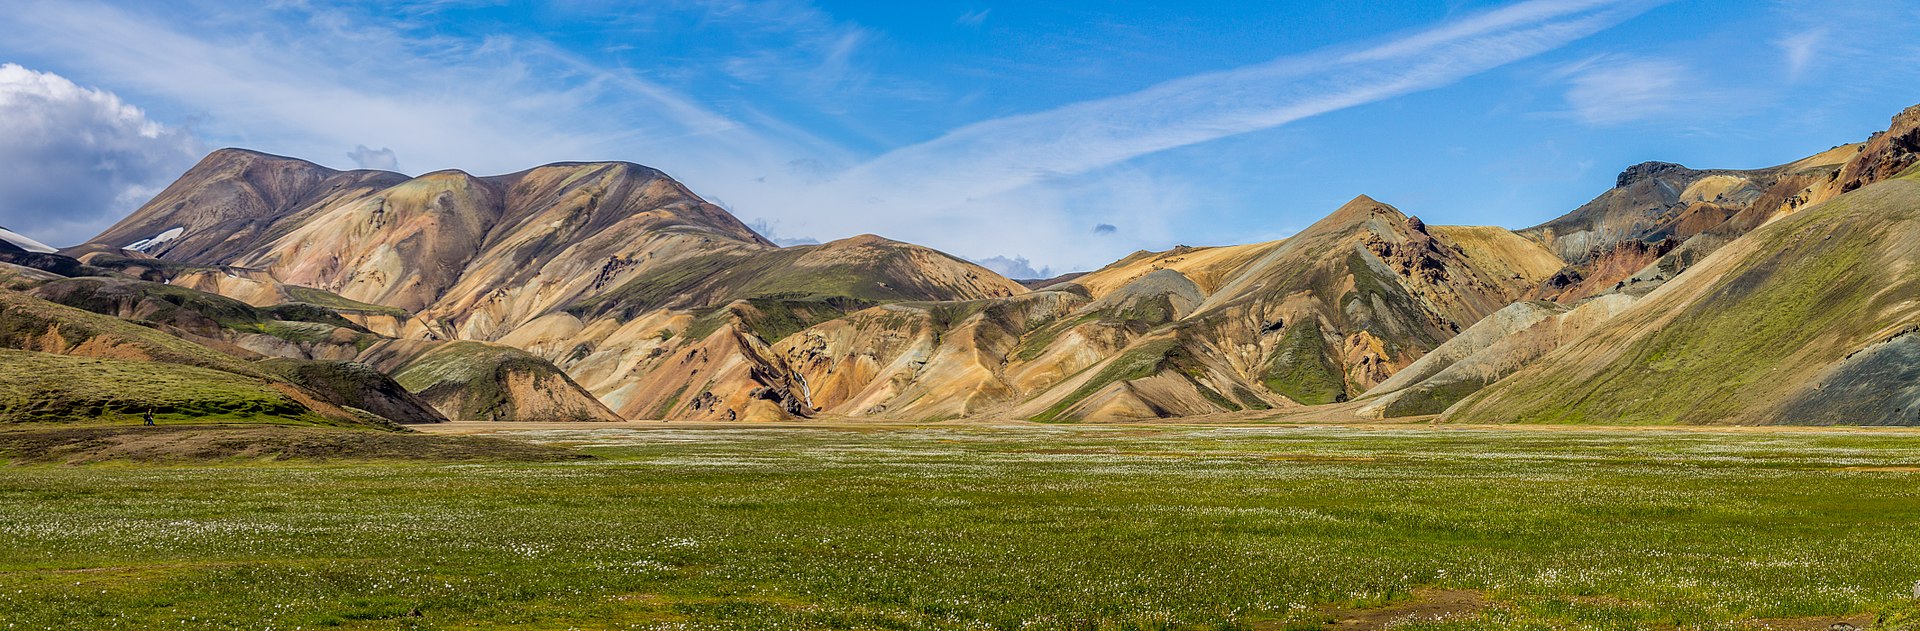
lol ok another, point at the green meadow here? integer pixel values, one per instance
(978, 527)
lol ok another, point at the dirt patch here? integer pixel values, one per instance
(1427, 605)
(213, 443)
(1814, 623)
(1883, 469)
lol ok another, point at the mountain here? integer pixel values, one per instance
(613, 271)
(605, 291)
(67, 364)
(1663, 216)
(1314, 318)
(1803, 319)
(1808, 319)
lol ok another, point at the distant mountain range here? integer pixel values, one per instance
(598, 291)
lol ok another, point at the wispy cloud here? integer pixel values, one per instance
(1609, 89)
(973, 18)
(1799, 51)
(323, 81)
(968, 185)
(317, 82)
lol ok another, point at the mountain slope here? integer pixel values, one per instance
(233, 201)
(1761, 331)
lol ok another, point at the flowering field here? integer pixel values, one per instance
(1054, 527)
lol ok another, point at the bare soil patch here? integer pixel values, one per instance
(1814, 623)
(1427, 605)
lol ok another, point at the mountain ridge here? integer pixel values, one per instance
(605, 290)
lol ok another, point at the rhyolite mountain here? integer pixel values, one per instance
(600, 291)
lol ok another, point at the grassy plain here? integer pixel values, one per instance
(977, 527)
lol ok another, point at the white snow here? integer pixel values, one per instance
(144, 245)
(25, 243)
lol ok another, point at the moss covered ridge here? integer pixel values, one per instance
(1742, 333)
(477, 381)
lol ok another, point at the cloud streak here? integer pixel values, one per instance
(955, 188)
(321, 82)
(1004, 154)
(1611, 90)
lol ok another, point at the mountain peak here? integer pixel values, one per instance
(1647, 170)
(1355, 212)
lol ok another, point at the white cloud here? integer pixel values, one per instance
(765, 227)
(1609, 90)
(320, 84)
(973, 18)
(1017, 268)
(77, 158)
(312, 80)
(1799, 50)
(382, 159)
(968, 189)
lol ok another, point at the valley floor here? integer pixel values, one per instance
(965, 526)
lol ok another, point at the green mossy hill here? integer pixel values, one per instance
(339, 303)
(476, 381)
(1169, 355)
(308, 312)
(1301, 369)
(714, 280)
(1804, 293)
(153, 302)
(247, 445)
(356, 385)
(43, 387)
(19, 278)
(773, 319)
(30, 323)
(195, 311)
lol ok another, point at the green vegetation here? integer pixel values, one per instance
(673, 400)
(26, 321)
(336, 302)
(1299, 368)
(1051, 527)
(243, 444)
(305, 312)
(471, 373)
(1804, 296)
(300, 323)
(161, 302)
(298, 332)
(1138, 362)
(1433, 399)
(354, 385)
(1037, 342)
(57, 388)
(773, 276)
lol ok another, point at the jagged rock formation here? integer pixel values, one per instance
(1667, 215)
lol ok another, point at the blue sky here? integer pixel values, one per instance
(1065, 134)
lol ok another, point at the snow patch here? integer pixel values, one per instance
(21, 241)
(145, 245)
